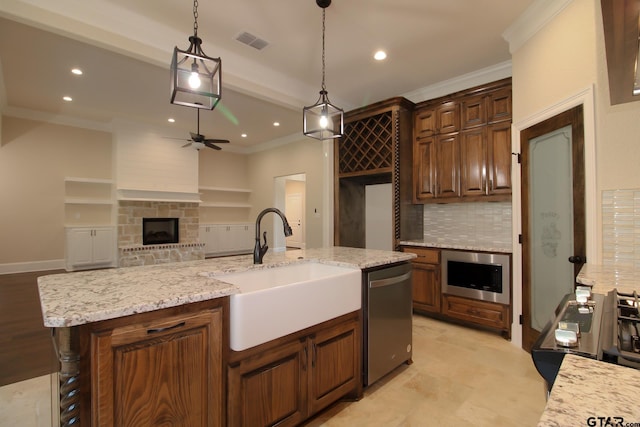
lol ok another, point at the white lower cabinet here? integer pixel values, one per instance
(89, 247)
(222, 239)
(210, 237)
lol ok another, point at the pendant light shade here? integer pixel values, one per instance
(196, 79)
(323, 120)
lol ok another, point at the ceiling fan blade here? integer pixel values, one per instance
(178, 139)
(217, 141)
(210, 145)
(187, 144)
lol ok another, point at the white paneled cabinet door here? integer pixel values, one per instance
(102, 250)
(79, 246)
(226, 241)
(88, 247)
(209, 236)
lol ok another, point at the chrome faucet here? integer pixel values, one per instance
(260, 250)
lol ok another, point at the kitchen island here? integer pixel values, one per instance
(101, 317)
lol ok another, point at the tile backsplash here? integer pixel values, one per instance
(621, 227)
(469, 224)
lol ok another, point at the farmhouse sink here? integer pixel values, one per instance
(277, 301)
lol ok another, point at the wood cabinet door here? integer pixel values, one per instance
(478, 312)
(424, 169)
(499, 105)
(425, 123)
(269, 388)
(473, 112)
(165, 372)
(473, 155)
(499, 158)
(426, 287)
(335, 364)
(447, 166)
(448, 117)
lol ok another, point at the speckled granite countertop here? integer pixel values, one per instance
(586, 388)
(603, 278)
(72, 299)
(456, 246)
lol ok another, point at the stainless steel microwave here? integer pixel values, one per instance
(477, 275)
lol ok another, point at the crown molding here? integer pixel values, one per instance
(532, 20)
(466, 81)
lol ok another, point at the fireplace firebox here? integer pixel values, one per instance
(158, 231)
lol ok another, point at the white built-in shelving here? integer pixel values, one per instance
(224, 197)
(88, 191)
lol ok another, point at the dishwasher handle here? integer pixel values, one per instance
(390, 281)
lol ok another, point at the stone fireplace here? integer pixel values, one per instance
(132, 252)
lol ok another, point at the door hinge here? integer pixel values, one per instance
(521, 319)
(519, 157)
(520, 238)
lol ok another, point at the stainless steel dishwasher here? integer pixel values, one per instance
(387, 320)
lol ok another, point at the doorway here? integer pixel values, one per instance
(290, 195)
(553, 216)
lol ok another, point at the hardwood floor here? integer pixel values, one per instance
(26, 350)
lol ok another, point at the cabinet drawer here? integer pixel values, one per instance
(479, 312)
(425, 255)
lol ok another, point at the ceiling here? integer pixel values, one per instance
(124, 48)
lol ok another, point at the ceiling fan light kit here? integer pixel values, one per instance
(196, 79)
(323, 120)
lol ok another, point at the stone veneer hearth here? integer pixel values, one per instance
(131, 252)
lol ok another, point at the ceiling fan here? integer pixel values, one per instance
(199, 141)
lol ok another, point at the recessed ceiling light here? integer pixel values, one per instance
(244, 135)
(276, 123)
(171, 120)
(67, 98)
(77, 71)
(380, 55)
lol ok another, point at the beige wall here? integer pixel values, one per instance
(305, 157)
(557, 62)
(35, 157)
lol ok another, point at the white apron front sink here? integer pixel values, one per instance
(277, 301)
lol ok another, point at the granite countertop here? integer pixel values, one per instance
(586, 389)
(73, 299)
(603, 278)
(464, 247)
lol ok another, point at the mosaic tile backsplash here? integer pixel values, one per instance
(472, 224)
(621, 227)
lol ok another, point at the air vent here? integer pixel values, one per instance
(251, 40)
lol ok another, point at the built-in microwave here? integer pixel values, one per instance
(477, 275)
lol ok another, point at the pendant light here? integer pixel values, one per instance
(195, 77)
(323, 120)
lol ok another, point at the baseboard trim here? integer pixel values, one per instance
(27, 267)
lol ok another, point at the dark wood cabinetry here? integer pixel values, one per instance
(285, 381)
(426, 279)
(462, 146)
(162, 367)
(482, 313)
(377, 149)
(429, 299)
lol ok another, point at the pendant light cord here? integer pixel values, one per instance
(323, 28)
(195, 18)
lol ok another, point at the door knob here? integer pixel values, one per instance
(577, 259)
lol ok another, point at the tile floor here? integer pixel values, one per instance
(460, 376)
